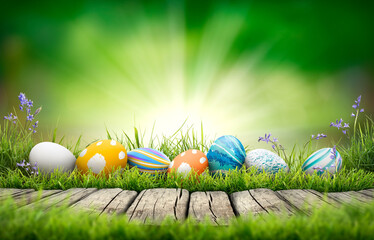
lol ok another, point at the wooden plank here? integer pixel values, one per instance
(325, 197)
(96, 202)
(215, 205)
(33, 196)
(60, 198)
(243, 204)
(302, 200)
(350, 197)
(361, 197)
(6, 192)
(154, 205)
(367, 192)
(271, 202)
(121, 202)
(16, 194)
(74, 198)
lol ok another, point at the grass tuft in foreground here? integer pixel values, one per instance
(347, 222)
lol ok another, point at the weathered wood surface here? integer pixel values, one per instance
(96, 202)
(302, 200)
(33, 196)
(156, 204)
(121, 202)
(350, 197)
(368, 192)
(271, 201)
(5, 192)
(215, 205)
(13, 192)
(324, 197)
(67, 198)
(243, 204)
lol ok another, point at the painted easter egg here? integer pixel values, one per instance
(265, 160)
(103, 155)
(189, 160)
(148, 160)
(226, 153)
(49, 156)
(323, 160)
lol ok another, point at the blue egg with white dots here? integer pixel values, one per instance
(324, 160)
(226, 153)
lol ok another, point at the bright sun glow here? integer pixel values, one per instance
(147, 74)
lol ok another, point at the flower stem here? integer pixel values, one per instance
(354, 126)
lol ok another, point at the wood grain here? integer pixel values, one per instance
(154, 205)
(214, 205)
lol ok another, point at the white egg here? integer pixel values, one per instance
(49, 156)
(265, 160)
(323, 160)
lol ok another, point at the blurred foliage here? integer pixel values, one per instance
(313, 35)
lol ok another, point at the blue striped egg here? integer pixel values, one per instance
(148, 160)
(323, 160)
(265, 160)
(226, 153)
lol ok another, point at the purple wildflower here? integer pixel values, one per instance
(333, 152)
(11, 117)
(339, 124)
(22, 98)
(29, 168)
(266, 139)
(21, 164)
(29, 103)
(30, 117)
(357, 106)
(319, 136)
(37, 111)
(22, 101)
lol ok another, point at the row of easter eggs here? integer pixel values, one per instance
(226, 153)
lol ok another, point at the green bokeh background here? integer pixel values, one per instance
(242, 68)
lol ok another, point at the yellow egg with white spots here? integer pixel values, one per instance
(102, 156)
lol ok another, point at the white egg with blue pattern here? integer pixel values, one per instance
(323, 160)
(265, 160)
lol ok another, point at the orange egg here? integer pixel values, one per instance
(103, 156)
(188, 160)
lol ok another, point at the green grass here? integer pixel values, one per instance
(234, 181)
(15, 145)
(359, 154)
(354, 176)
(347, 222)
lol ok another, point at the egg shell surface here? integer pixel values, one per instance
(103, 155)
(49, 156)
(188, 160)
(323, 160)
(226, 153)
(265, 160)
(148, 160)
